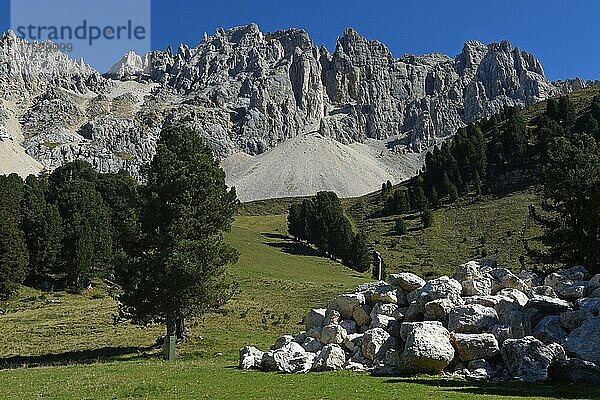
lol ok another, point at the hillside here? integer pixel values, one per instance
(65, 346)
(247, 93)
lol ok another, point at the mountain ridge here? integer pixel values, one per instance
(247, 92)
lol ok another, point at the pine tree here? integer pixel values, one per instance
(295, 223)
(426, 218)
(434, 198)
(566, 110)
(361, 253)
(13, 249)
(477, 185)
(177, 270)
(42, 225)
(400, 227)
(419, 198)
(552, 109)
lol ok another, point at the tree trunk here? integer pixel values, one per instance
(182, 332)
(171, 324)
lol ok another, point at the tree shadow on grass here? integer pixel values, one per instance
(508, 389)
(295, 248)
(104, 354)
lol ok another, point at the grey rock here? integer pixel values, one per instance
(503, 279)
(282, 341)
(438, 310)
(333, 334)
(312, 345)
(467, 272)
(332, 317)
(574, 370)
(528, 359)
(349, 326)
(549, 330)
(291, 358)
(590, 304)
(583, 341)
(472, 318)
(440, 288)
(574, 319)
(346, 303)
(315, 318)
(330, 358)
(565, 287)
(481, 286)
(250, 357)
(361, 314)
(474, 346)
(427, 347)
(375, 343)
(406, 281)
(548, 305)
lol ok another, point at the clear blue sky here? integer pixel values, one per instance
(564, 35)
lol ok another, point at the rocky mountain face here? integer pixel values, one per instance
(246, 91)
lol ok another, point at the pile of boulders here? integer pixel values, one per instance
(483, 322)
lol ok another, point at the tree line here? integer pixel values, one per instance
(160, 242)
(321, 221)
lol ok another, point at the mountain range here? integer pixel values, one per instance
(285, 117)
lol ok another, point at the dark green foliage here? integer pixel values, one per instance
(177, 267)
(434, 198)
(572, 187)
(321, 221)
(361, 253)
(552, 109)
(426, 218)
(13, 249)
(566, 110)
(419, 200)
(400, 226)
(42, 225)
(398, 202)
(477, 184)
(121, 193)
(87, 244)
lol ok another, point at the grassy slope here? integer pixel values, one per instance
(83, 355)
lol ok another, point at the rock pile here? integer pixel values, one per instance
(484, 322)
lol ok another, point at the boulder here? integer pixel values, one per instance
(481, 286)
(330, 358)
(315, 332)
(353, 342)
(548, 305)
(375, 343)
(515, 294)
(358, 362)
(549, 330)
(413, 313)
(467, 272)
(384, 294)
(300, 337)
(361, 314)
(333, 334)
(427, 347)
(590, 304)
(390, 310)
(282, 341)
(574, 319)
(250, 357)
(291, 359)
(382, 321)
(346, 303)
(438, 310)
(472, 318)
(315, 318)
(528, 359)
(577, 273)
(440, 288)
(503, 279)
(595, 293)
(350, 326)
(564, 287)
(541, 291)
(332, 317)
(583, 342)
(406, 281)
(595, 281)
(574, 370)
(531, 279)
(513, 325)
(474, 346)
(312, 345)
(486, 301)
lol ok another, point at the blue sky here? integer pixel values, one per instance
(564, 35)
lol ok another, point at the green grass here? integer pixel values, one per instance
(460, 232)
(66, 346)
